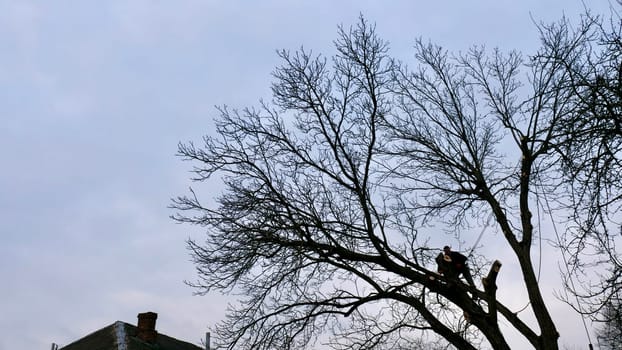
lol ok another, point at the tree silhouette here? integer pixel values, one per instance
(588, 146)
(610, 332)
(329, 192)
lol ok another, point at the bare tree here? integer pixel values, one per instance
(589, 146)
(610, 331)
(322, 227)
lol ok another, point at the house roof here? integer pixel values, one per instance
(122, 336)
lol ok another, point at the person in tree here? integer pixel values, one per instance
(453, 264)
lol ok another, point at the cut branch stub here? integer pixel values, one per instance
(490, 281)
(490, 287)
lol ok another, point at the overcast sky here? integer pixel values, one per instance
(95, 96)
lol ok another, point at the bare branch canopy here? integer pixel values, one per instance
(330, 189)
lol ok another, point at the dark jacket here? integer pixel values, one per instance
(458, 260)
(453, 265)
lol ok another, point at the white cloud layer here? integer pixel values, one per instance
(95, 95)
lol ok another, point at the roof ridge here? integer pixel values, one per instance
(120, 335)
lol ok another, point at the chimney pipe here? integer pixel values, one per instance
(146, 327)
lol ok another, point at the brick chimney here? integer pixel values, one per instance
(146, 327)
